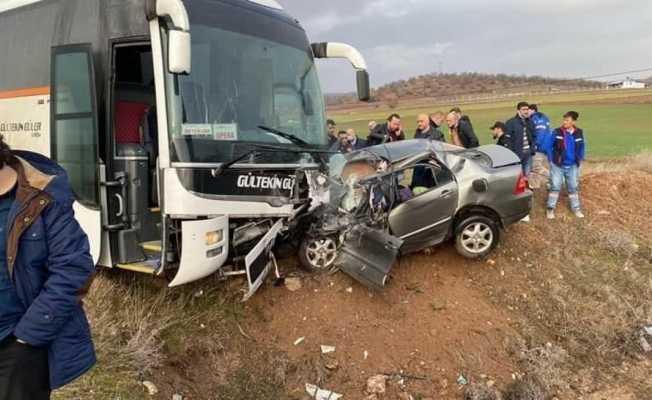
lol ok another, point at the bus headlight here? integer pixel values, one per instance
(214, 237)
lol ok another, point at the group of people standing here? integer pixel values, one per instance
(528, 134)
(428, 127)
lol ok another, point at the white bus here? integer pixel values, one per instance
(190, 130)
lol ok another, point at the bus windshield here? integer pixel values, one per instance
(246, 73)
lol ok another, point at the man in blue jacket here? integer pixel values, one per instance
(540, 168)
(566, 150)
(45, 268)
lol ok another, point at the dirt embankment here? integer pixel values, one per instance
(555, 312)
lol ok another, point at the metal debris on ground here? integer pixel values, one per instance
(177, 396)
(321, 394)
(461, 380)
(377, 384)
(645, 338)
(365, 354)
(327, 349)
(151, 388)
(299, 341)
(349, 290)
(293, 284)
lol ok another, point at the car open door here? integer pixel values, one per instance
(74, 145)
(425, 219)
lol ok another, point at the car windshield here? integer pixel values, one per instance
(244, 75)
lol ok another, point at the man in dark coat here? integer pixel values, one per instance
(499, 135)
(332, 132)
(390, 131)
(461, 132)
(348, 142)
(426, 130)
(45, 268)
(521, 131)
(461, 116)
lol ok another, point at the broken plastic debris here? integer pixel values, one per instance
(299, 340)
(151, 388)
(648, 330)
(327, 349)
(293, 284)
(377, 384)
(321, 394)
(461, 380)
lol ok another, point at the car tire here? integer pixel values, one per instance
(476, 236)
(318, 254)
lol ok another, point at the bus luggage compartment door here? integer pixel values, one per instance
(204, 249)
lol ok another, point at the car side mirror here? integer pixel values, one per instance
(362, 77)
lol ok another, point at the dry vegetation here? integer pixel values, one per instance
(578, 294)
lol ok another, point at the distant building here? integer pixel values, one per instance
(628, 83)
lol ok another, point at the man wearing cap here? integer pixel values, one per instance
(498, 132)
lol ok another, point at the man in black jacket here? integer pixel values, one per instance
(521, 131)
(499, 135)
(461, 116)
(461, 132)
(390, 131)
(425, 129)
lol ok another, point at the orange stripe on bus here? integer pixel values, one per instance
(36, 91)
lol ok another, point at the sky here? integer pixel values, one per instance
(405, 38)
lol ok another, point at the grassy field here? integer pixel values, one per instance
(616, 123)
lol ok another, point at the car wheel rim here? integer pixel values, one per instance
(321, 253)
(477, 237)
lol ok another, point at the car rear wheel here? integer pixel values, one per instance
(318, 254)
(476, 236)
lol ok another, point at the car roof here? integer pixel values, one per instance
(398, 151)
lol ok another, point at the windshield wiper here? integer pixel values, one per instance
(292, 138)
(224, 166)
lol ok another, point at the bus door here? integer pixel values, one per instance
(74, 144)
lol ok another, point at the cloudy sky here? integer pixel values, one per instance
(403, 38)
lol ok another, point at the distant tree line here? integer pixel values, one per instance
(445, 85)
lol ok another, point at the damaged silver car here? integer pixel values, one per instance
(398, 198)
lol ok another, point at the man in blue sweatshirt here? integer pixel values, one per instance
(566, 150)
(542, 132)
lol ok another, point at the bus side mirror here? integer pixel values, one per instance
(350, 53)
(179, 52)
(178, 24)
(364, 93)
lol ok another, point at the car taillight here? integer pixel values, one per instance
(521, 184)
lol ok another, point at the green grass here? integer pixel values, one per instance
(613, 128)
